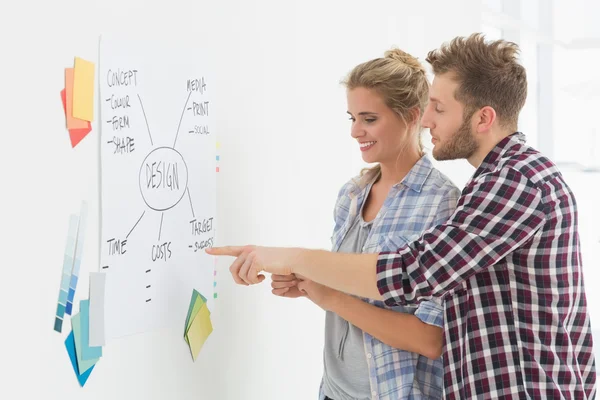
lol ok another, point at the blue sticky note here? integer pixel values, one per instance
(82, 365)
(70, 345)
(87, 352)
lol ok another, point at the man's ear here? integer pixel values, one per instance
(486, 117)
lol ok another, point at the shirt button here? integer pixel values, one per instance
(374, 393)
(369, 356)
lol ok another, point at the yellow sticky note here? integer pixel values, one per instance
(218, 145)
(199, 331)
(83, 89)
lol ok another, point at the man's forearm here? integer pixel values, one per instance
(350, 273)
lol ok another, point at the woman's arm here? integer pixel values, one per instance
(399, 330)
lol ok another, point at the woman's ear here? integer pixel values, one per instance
(415, 116)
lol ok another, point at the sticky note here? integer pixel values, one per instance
(72, 122)
(195, 295)
(199, 331)
(97, 289)
(87, 352)
(70, 345)
(82, 365)
(196, 307)
(83, 89)
(76, 135)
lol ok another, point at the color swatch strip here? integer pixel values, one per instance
(77, 260)
(66, 272)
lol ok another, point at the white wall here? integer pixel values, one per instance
(285, 151)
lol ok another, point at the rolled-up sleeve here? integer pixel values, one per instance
(497, 213)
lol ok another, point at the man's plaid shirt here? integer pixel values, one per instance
(507, 265)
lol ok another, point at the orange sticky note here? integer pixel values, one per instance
(83, 89)
(76, 135)
(72, 122)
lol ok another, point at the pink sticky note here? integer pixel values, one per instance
(76, 135)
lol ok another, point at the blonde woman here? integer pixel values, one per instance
(372, 350)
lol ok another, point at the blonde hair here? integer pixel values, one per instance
(400, 79)
(488, 74)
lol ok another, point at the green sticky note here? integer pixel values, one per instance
(189, 314)
(83, 365)
(197, 305)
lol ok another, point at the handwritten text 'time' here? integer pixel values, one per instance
(116, 246)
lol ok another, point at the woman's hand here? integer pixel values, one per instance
(286, 286)
(325, 297)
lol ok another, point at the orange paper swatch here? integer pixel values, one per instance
(72, 122)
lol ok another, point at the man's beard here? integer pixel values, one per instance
(461, 144)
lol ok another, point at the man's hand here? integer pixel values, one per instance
(252, 260)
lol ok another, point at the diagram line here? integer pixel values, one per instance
(146, 119)
(138, 221)
(181, 119)
(191, 206)
(160, 229)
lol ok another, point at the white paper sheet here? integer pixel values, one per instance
(158, 182)
(97, 287)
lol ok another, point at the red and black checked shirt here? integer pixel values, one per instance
(508, 267)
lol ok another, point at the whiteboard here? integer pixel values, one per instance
(158, 182)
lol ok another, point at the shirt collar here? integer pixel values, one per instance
(491, 161)
(414, 179)
(418, 174)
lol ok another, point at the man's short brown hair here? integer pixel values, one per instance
(488, 74)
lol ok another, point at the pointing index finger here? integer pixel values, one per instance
(233, 251)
